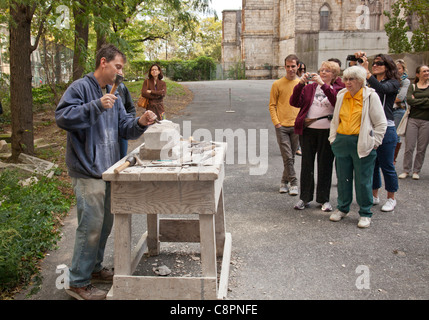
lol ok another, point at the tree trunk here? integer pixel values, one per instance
(21, 98)
(80, 40)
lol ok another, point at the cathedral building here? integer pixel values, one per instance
(264, 32)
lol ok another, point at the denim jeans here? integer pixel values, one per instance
(94, 225)
(384, 161)
(397, 116)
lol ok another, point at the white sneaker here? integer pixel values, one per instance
(389, 205)
(293, 190)
(337, 215)
(326, 207)
(416, 176)
(375, 200)
(364, 222)
(301, 205)
(283, 188)
(403, 175)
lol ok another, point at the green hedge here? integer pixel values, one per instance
(201, 68)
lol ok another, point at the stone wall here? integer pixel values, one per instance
(231, 37)
(272, 29)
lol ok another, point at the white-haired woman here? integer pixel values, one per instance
(357, 129)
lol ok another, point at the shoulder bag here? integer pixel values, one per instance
(402, 127)
(142, 102)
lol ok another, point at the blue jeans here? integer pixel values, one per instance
(397, 117)
(94, 225)
(384, 161)
(123, 147)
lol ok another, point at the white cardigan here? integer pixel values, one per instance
(373, 122)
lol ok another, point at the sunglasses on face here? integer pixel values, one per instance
(378, 63)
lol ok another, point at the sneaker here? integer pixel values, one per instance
(293, 190)
(403, 175)
(104, 275)
(337, 215)
(416, 176)
(364, 222)
(88, 292)
(375, 200)
(389, 205)
(301, 205)
(283, 188)
(326, 207)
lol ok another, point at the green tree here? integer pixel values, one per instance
(23, 15)
(396, 30)
(397, 26)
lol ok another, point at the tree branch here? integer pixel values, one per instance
(41, 28)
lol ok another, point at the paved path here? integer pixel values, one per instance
(279, 252)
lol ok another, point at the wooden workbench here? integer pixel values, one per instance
(190, 190)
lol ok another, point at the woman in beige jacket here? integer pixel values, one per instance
(357, 129)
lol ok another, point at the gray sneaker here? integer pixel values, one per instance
(293, 190)
(284, 188)
(337, 215)
(326, 207)
(301, 205)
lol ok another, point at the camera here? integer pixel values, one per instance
(351, 57)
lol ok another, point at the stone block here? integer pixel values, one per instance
(162, 134)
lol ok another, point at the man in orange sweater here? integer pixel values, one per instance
(283, 116)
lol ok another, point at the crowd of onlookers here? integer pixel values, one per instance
(350, 122)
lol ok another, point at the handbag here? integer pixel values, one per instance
(402, 127)
(142, 102)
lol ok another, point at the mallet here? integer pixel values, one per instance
(131, 161)
(118, 81)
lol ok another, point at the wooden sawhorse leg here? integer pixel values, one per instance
(153, 243)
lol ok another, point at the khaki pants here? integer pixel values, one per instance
(417, 134)
(288, 142)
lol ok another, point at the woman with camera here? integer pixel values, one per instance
(385, 80)
(316, 101)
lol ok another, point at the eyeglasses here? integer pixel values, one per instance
(378, 63)
(348, 79)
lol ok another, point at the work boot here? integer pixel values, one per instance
(104, 275)
(88, 292)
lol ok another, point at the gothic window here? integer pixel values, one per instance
(324, 17)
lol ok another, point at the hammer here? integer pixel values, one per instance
(118, 81)
(128, 163)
